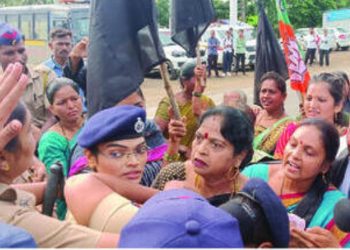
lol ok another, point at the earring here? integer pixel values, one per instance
(6, 167)
(92, 164)
(336, 118)
(324, 178)
(232, 174)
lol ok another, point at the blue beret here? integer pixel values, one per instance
(275, 213)
(268, 203)
(9, 35)
(117, 123)
(180, 218)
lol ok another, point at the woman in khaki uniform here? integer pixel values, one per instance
(16, 154)
(114, 145)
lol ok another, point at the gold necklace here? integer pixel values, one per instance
(235, 185)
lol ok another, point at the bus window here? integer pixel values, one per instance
(27, 25)
(2, 19)
(80, 25)
(13, 20)
(60, 24)
(59, 20)
(41, 27)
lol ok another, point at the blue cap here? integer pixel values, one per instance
(180, 218)
(9, 35)
(275, 213)
(15, 237)
(117, 123)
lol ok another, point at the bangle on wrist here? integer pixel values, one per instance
(196, 94)
(171, 158)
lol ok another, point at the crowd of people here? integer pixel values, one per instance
(233, 47)
(223, 175)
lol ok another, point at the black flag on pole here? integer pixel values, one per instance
(189, 20)
(124, 44)
(269, 55)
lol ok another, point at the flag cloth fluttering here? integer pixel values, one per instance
(189, 20)
(269, 55)
(298, 73)
(124, 44)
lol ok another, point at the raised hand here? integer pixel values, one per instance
(12, 86)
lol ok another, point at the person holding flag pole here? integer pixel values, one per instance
(189, 20)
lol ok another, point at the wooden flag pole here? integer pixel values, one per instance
(199, 63)
(169, 90)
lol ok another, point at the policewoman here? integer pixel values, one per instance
(115, 147)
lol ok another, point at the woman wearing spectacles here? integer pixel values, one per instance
(115, 147)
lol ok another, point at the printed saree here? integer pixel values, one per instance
(323, 217)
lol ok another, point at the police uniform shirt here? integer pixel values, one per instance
(17, 208)
(35, 95)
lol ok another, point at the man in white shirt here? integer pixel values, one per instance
(228, 53)
(324, 47)
(311, 46)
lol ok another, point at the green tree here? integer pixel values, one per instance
(222, 9)
(163, 12)
(4, 3)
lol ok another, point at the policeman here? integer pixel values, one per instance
(12, 49)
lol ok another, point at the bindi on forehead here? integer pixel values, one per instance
(206, 135)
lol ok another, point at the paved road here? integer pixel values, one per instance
(216, 87)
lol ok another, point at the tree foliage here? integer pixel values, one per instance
(302, 13)
(4, 3)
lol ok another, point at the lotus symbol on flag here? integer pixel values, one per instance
(296, 66)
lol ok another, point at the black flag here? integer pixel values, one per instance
(124, 44)
(189, 20)
(269, 55)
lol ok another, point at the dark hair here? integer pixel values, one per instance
(329, 136)
(343, 75)
(60, 33)
(253, 223)
(140, 93)
(277, 78)
(334, 85)
(20, 114)
(56, 85)
(236, 127)
(312, 200)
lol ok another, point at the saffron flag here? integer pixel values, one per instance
(269, 55)
(189, 20)
(124, 45)
(298, 73)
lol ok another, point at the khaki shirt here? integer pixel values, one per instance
(17, 209)
(35, 95)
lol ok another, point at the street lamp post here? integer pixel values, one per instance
(233, 12)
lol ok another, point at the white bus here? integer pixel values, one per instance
(36, 21)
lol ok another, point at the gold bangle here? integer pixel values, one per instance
(171, 158)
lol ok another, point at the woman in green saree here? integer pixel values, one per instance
(302, 184)
(57, 143)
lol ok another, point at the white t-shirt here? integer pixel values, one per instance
(324, 42)
(228, 44)
(311, 41)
